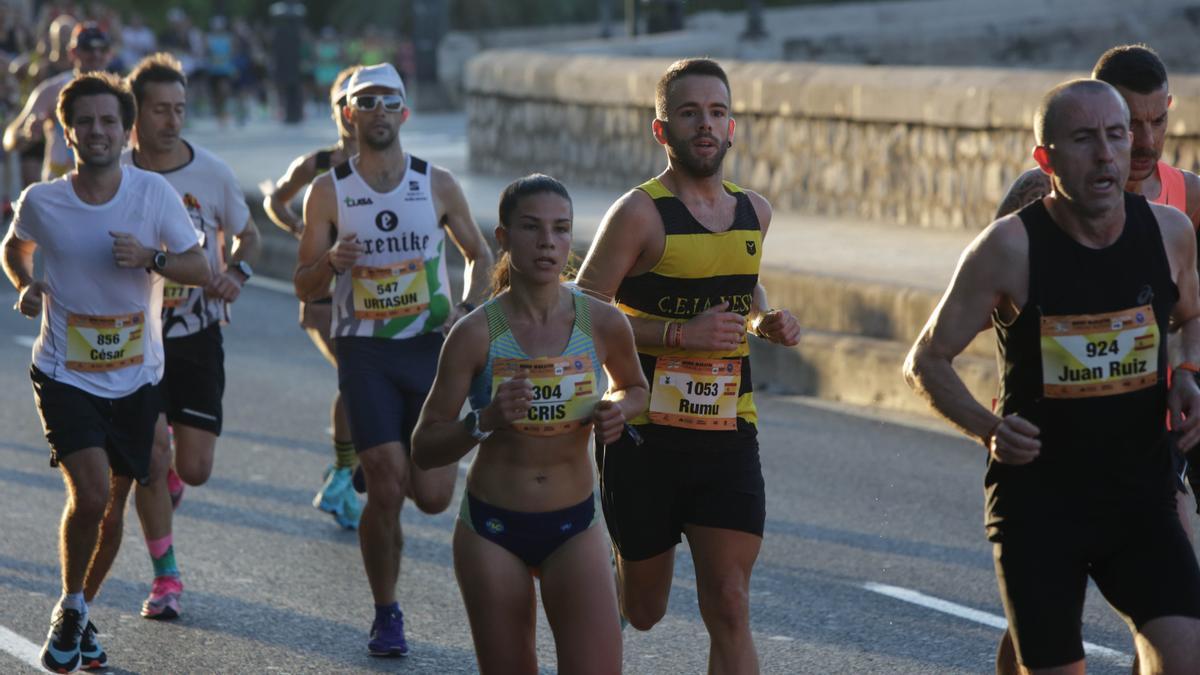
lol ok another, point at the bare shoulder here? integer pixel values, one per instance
(1173, 223)
(472, 327)
(762, 208)
(1029, 186)
(999, 256)
(322, 188)
(605, 316)
(632, 212)
(442, 180)
(303, 168)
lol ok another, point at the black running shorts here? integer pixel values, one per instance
(74, 420)
(1142, 563)
(650, 491)
(194, 379)
(384, 383)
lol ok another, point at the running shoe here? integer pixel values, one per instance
(174, 487)
(332, 495)
(163, 602)
(91, 654)
(60, 654)
(387, 635)
(351, 511)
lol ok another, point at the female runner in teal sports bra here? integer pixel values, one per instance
(532, 361)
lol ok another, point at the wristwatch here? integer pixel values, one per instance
(160, 261)
(244, 268)
(471, 424)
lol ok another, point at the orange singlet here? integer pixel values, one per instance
(1173, 191)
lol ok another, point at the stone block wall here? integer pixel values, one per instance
(933, 147)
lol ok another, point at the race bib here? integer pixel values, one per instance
(174, 294)
(1085, 355)
(389, 292)
(564, 392)
(101, 343)
(696, 393)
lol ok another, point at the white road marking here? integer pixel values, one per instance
(992, 620)
(23, 649)
(781, 638)
(24, 340)
(272, 285)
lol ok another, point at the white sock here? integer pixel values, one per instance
(74, 601)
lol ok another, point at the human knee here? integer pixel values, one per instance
(726, 602)
(433, 501)
(89, 504)
(194, 470)
(386, 489)
(642, 614)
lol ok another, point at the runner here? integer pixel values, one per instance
(680, 255)
(378, 224)
(47, 59)
(36, 123)
(1139, 75)
(1079, 287)
(529, 505)
(336, 495)
(99, 357)
(194, 381)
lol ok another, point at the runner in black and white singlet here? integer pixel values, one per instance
(379, 224)
(532, 361)
(336, 495)
(1080, 287)
(101, 230)
(194, 382)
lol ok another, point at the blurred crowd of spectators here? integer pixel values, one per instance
(228, 60)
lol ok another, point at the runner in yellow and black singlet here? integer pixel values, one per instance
(680, 256)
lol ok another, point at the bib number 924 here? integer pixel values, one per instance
(1103, 348)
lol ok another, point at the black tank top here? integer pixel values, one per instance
(1086, 361)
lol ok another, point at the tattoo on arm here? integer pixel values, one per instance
(1029, 187)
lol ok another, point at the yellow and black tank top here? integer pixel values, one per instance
(698, 270)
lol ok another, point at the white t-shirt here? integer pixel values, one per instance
(101, 324)
(213, 198)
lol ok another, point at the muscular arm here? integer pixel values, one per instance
(313, 270)
(278, 203)
(439, 437)
(988, 271)
(627, 386)
(1180, 244)
(455, 216)
(247, 245)
(1030, 186)
(18, 259)
(189, 267)
(17, 135)
(1191, 184)
(620, 250)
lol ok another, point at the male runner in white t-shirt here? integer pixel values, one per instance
(102, 229)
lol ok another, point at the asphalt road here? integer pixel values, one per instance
(860, 510)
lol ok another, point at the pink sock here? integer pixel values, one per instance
(158, 547)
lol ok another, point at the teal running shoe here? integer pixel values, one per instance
(332, 496)
(351, 511)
